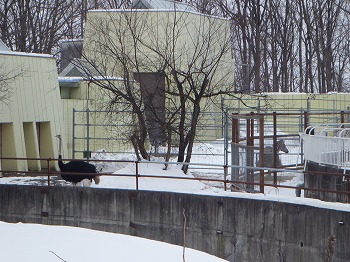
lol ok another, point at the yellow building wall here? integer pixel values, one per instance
(147, 36)
(32, 115)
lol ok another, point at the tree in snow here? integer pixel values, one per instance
(185, 56)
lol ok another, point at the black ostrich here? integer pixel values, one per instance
(76, 167)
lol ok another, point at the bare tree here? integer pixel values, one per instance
(192, 52)
(280, 48)
(35, 26)
(290, 45)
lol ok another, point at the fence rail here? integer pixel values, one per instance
(227, 182)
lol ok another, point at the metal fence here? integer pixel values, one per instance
(49, 177)
(108, 131)
(95, 130)
(255, 138)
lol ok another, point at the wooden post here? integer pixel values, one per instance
(250, 151)
(235, 148)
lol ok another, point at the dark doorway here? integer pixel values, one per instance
(153, 94)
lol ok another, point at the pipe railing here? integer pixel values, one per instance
(50, 172)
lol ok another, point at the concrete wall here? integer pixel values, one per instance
(236, 229)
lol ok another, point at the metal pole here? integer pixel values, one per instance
(137, 175)
(88, 133)
(223, 116)
(247, 155)
(226, 147)
(235, 148)
(73, 135)
(250, 151)
(275, 153)
(342, 117)
(48, 172)
(225, 176)
(261, 157)
(306, 120)
(226, 137)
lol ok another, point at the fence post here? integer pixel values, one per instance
(342, 117)
(87, 133)
(275, 153)
(250, 152)
(225, 177)
(306, 120)
(137, 175)
(73, 134)
(261, 156)
(48, 172)
(226, 147)
(235, 148)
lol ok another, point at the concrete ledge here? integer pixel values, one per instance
(236, 229)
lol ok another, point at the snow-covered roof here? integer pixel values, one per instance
(77, 79)
(79, 67)
(190, 10)
(4, 50)
(161, 4)
(15, 53)
(71, 40)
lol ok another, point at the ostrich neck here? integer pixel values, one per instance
(60, 163)
(60, 147)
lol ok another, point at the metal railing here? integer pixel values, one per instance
(328, 144)
(227, 182)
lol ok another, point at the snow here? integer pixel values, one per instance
(15, 53)
(36, 241)
(42, 243)
(155, 10)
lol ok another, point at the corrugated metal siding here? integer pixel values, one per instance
(35, 99)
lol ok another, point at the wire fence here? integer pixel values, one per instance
(94, 131)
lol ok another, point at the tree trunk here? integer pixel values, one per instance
(191, 136)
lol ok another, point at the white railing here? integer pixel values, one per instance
(328, 144)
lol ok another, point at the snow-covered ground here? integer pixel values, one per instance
(205, 153)
(41, 243)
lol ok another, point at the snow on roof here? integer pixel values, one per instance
(71, 40)
(155, 10)
(4, 50)
(76, 79)
(161, 4)
(70, 79)
(15, 53)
